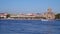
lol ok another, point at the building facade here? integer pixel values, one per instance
(3, 15)
(49, 14)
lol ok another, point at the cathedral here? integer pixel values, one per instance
(49, 14)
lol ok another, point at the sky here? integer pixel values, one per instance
(29, 6)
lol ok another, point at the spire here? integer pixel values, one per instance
(49, 9)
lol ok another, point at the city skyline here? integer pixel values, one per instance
(28, 6)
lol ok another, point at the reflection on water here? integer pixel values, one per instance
(29, 27)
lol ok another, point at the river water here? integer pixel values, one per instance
(29, 27)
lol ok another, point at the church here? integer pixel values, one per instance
(49, 14)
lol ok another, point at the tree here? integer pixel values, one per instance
(8, 16)
(57, 16)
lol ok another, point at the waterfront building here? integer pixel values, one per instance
(49, 14)
(24, 16)
(3, 15)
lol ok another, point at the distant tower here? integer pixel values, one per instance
(49, 10)
(49, 14)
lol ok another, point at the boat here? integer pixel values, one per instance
(47, 19)
(44, 20)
